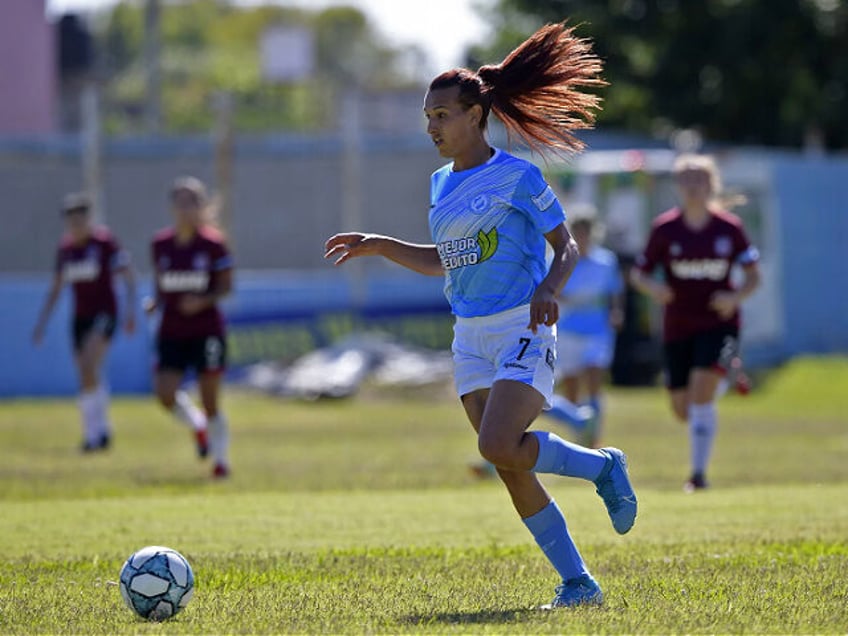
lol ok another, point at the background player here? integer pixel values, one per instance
(696, 245)
(88, 258)
(591, 311)
(193, 269)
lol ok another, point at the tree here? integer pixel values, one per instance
(772, 72)
(210, 46)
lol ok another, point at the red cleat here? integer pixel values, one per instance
(202, 443)
(221, 471)
(736, 374)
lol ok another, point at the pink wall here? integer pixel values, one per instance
(27, 68)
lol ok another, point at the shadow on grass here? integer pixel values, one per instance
(468, 618)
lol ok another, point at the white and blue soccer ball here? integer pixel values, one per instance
(156, 582)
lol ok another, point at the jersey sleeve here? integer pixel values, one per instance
(117, 256)
(745, 253)
(653, 253)
(222, 259)
(538, 201)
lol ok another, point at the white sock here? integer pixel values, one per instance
(722, 387)
(90, 410)
(186, 411)
(702, 430)
(219, 439)
(103, 423)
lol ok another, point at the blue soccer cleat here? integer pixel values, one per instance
(583, 590)
(613, 485)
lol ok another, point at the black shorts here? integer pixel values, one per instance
(104, 324)
(702, 351)
(203, 355)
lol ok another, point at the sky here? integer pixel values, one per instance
(443, 28)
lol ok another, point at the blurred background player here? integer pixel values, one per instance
(696, 246)
(87, 259)
(591, 311)
(193, 271)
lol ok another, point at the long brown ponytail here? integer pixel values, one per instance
(536, 91)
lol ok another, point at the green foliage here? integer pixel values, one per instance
(359, 516)
(753, 71)
(210, 46)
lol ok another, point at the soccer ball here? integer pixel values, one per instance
(156, 582)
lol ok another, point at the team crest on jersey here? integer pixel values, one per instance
(675, 250)
(200, 261)
(480, 203)
(723, 245)
(92, 253)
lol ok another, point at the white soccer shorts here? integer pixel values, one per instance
(577, 352)
(501, 347)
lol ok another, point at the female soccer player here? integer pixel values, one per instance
(88, 258)
(591, 310)
(193, 269)
(490, 216)
(696, 245)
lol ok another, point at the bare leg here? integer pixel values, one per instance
(527, 493)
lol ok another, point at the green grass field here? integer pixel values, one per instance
(360, 516)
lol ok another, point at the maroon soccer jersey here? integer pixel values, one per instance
(696, 264)
(88, 267)
(190, 268)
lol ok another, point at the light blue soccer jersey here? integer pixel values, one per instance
(488, 224)
(586, 295)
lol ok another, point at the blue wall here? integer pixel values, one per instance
(274, 314)
(812, 196)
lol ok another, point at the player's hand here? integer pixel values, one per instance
(149, 305)
(348, 245)
(724, 303)
(662, 294)
(192, 304)
(616, 318)
(129, 324)
(544, 309)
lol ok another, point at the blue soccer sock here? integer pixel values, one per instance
(597, 407)
(702, 431)
(564, 458)
(568, 412)
(551, 534)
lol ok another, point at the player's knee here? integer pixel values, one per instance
(167, 399)
(497, 450)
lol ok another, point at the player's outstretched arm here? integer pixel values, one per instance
(423, 259)
(658, 291)
(128, 276)
(47, 309)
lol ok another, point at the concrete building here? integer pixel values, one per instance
(27, 69)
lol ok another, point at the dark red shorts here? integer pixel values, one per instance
(103, 323)
(203, 355)
(701, 351)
